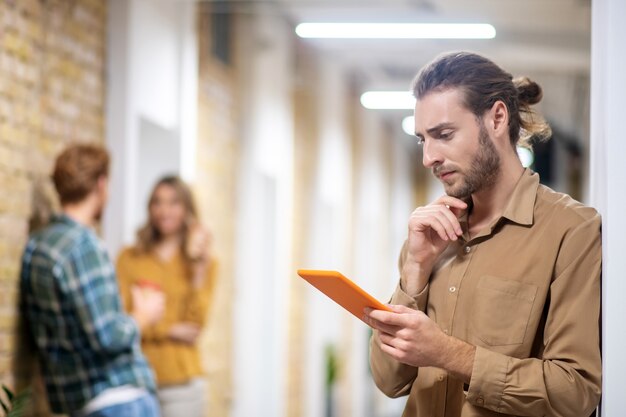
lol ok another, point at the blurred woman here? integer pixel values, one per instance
(172, 255)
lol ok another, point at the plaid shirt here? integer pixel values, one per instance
(71, 301)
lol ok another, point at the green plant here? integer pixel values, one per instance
(332, 365)
(15, 405)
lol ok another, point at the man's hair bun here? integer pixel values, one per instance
(529, 92)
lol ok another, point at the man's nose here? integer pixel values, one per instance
(430, 155)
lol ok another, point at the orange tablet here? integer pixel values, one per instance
(343, 291)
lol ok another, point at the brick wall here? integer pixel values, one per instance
(215, 186)
(52, 56)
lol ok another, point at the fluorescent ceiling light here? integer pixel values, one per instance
(408, 125)
(396, 30)
(388, 100)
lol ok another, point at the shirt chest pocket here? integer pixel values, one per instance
(501, 310)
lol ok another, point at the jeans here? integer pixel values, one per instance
(146, 406)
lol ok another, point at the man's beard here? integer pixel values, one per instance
(483, 170)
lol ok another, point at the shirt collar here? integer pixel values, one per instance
(519, 209)
(521, 206)
(65, 219)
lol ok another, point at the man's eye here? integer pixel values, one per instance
(420, 140)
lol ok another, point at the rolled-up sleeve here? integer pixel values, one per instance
(566, 380)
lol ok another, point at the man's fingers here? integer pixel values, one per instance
(449, 222)
(454, 221)
(392, 322)
(389, 339)
(388, 318)
(382, 327)
(377, 325)
(450, 201)
(420, 222)
(421, 217)
(392, 351)
(456, 206)
(434, 220)
(400, 309)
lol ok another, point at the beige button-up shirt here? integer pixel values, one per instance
(526, 292)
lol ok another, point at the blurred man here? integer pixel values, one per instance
(497, 308)
(89, 349)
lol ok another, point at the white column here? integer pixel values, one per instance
(608, 175)
(120, 125)
(188, 93)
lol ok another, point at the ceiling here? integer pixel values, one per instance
(533, 36)
(537, 35)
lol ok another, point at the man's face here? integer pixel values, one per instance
(456, 145)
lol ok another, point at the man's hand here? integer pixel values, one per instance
(411, 337)
(408, 335)
(148, 306)
(185, 332)
(431, 229)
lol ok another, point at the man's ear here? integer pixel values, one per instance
(102, 184)
(499, 119)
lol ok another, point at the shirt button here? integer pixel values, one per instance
(445, 331)
(452, 289)
(480, 400)
(440, 378)
(467, 249)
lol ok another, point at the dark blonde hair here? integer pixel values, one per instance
(77, 171)
(483, 83)
(148, 235)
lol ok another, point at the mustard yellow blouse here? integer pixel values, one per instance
(172, 361)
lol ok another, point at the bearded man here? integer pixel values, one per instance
(498, 305)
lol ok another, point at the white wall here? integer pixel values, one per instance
(152, 81)
(608, 176)
(330, 239)
(357, 227)
(371, 245)
(402, 206)
(265, 209)
(154, 45)
(158, 154)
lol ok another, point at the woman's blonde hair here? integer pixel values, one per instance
(148, 235)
